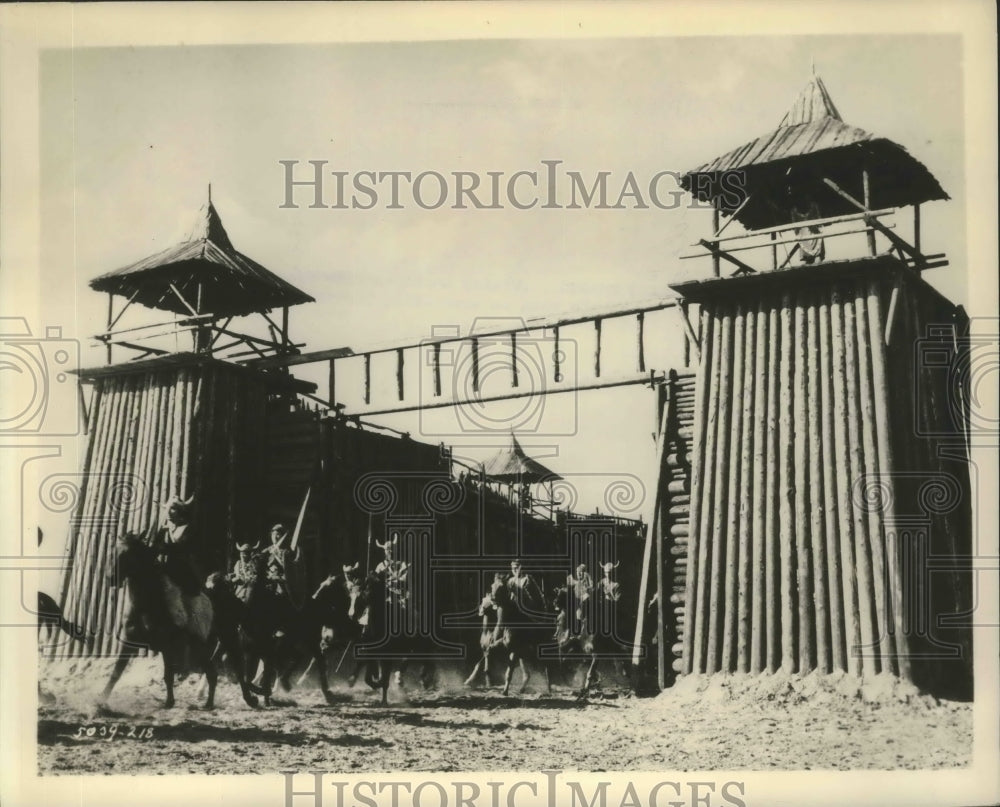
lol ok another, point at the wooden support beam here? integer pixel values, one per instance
(284, 323)
(437, 369)
(219, 332)
(665, 393)
(641, 328)
(399, 373)
(650, 378)
(368, 378)
(891, 313)
(146, 350)
(83, 407)
(732, 217)
(513, 359)
(896, 241)
(475, 365)
(868, 204)
(789, 256)
(716, 268)
(651, 532)
(597, 349)
(916, 227)
(556, 356)
(184, 302)
(692, 338)
(717, 253)
(118, 316)
(332, 382)
(111, 301)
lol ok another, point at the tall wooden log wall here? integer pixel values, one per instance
(811, 475)
(173, 430)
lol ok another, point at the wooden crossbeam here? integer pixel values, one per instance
(692, 336)
(823, 222)
(174, 325)
(894, 239)
(144, 348)
(128, 302)
(184, 302)
(648, 378)
(732, 217)
(718, 253)
(218, 332)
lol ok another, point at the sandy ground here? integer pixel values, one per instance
(734, 723)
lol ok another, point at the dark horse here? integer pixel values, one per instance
(585, 634)
(161, 617)
(272, 630)
(385, 644)
(518, 631)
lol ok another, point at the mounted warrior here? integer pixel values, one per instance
(177, 546)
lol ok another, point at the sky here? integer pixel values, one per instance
(131, 138)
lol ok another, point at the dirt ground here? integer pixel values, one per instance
(732, 722)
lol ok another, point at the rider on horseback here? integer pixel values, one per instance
(176, 547)
(524, 589)
(279, 559)
(394, 573)
(582, 586)
(244, 572)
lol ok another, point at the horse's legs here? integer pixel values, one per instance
(524, 672)
(321, 671)
(589, 679)
(306, 672)
(208, 666)
(509, 675)
(124, 657)
(168, 674)
(480, 667)
(230, 646)
(385, 671)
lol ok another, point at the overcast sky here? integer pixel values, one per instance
(131, 137)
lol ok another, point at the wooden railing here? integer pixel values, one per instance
(721, 247)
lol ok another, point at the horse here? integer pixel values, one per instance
(518, 631)
(373, 605)
(161, 616)
(51, 620)
(271, 630)
(486, 642)
(588, 638)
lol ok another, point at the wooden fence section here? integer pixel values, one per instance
(184, 429)
(808, 469)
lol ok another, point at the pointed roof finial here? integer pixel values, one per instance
(210, 193)
(812, 63)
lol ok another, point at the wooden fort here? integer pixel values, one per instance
(812, 505)
(225, 424)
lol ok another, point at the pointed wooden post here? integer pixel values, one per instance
(513, 359)
(107, 344)
(716, 265)
(868, 206)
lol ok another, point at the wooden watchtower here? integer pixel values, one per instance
(177, 420)
(830, 505)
